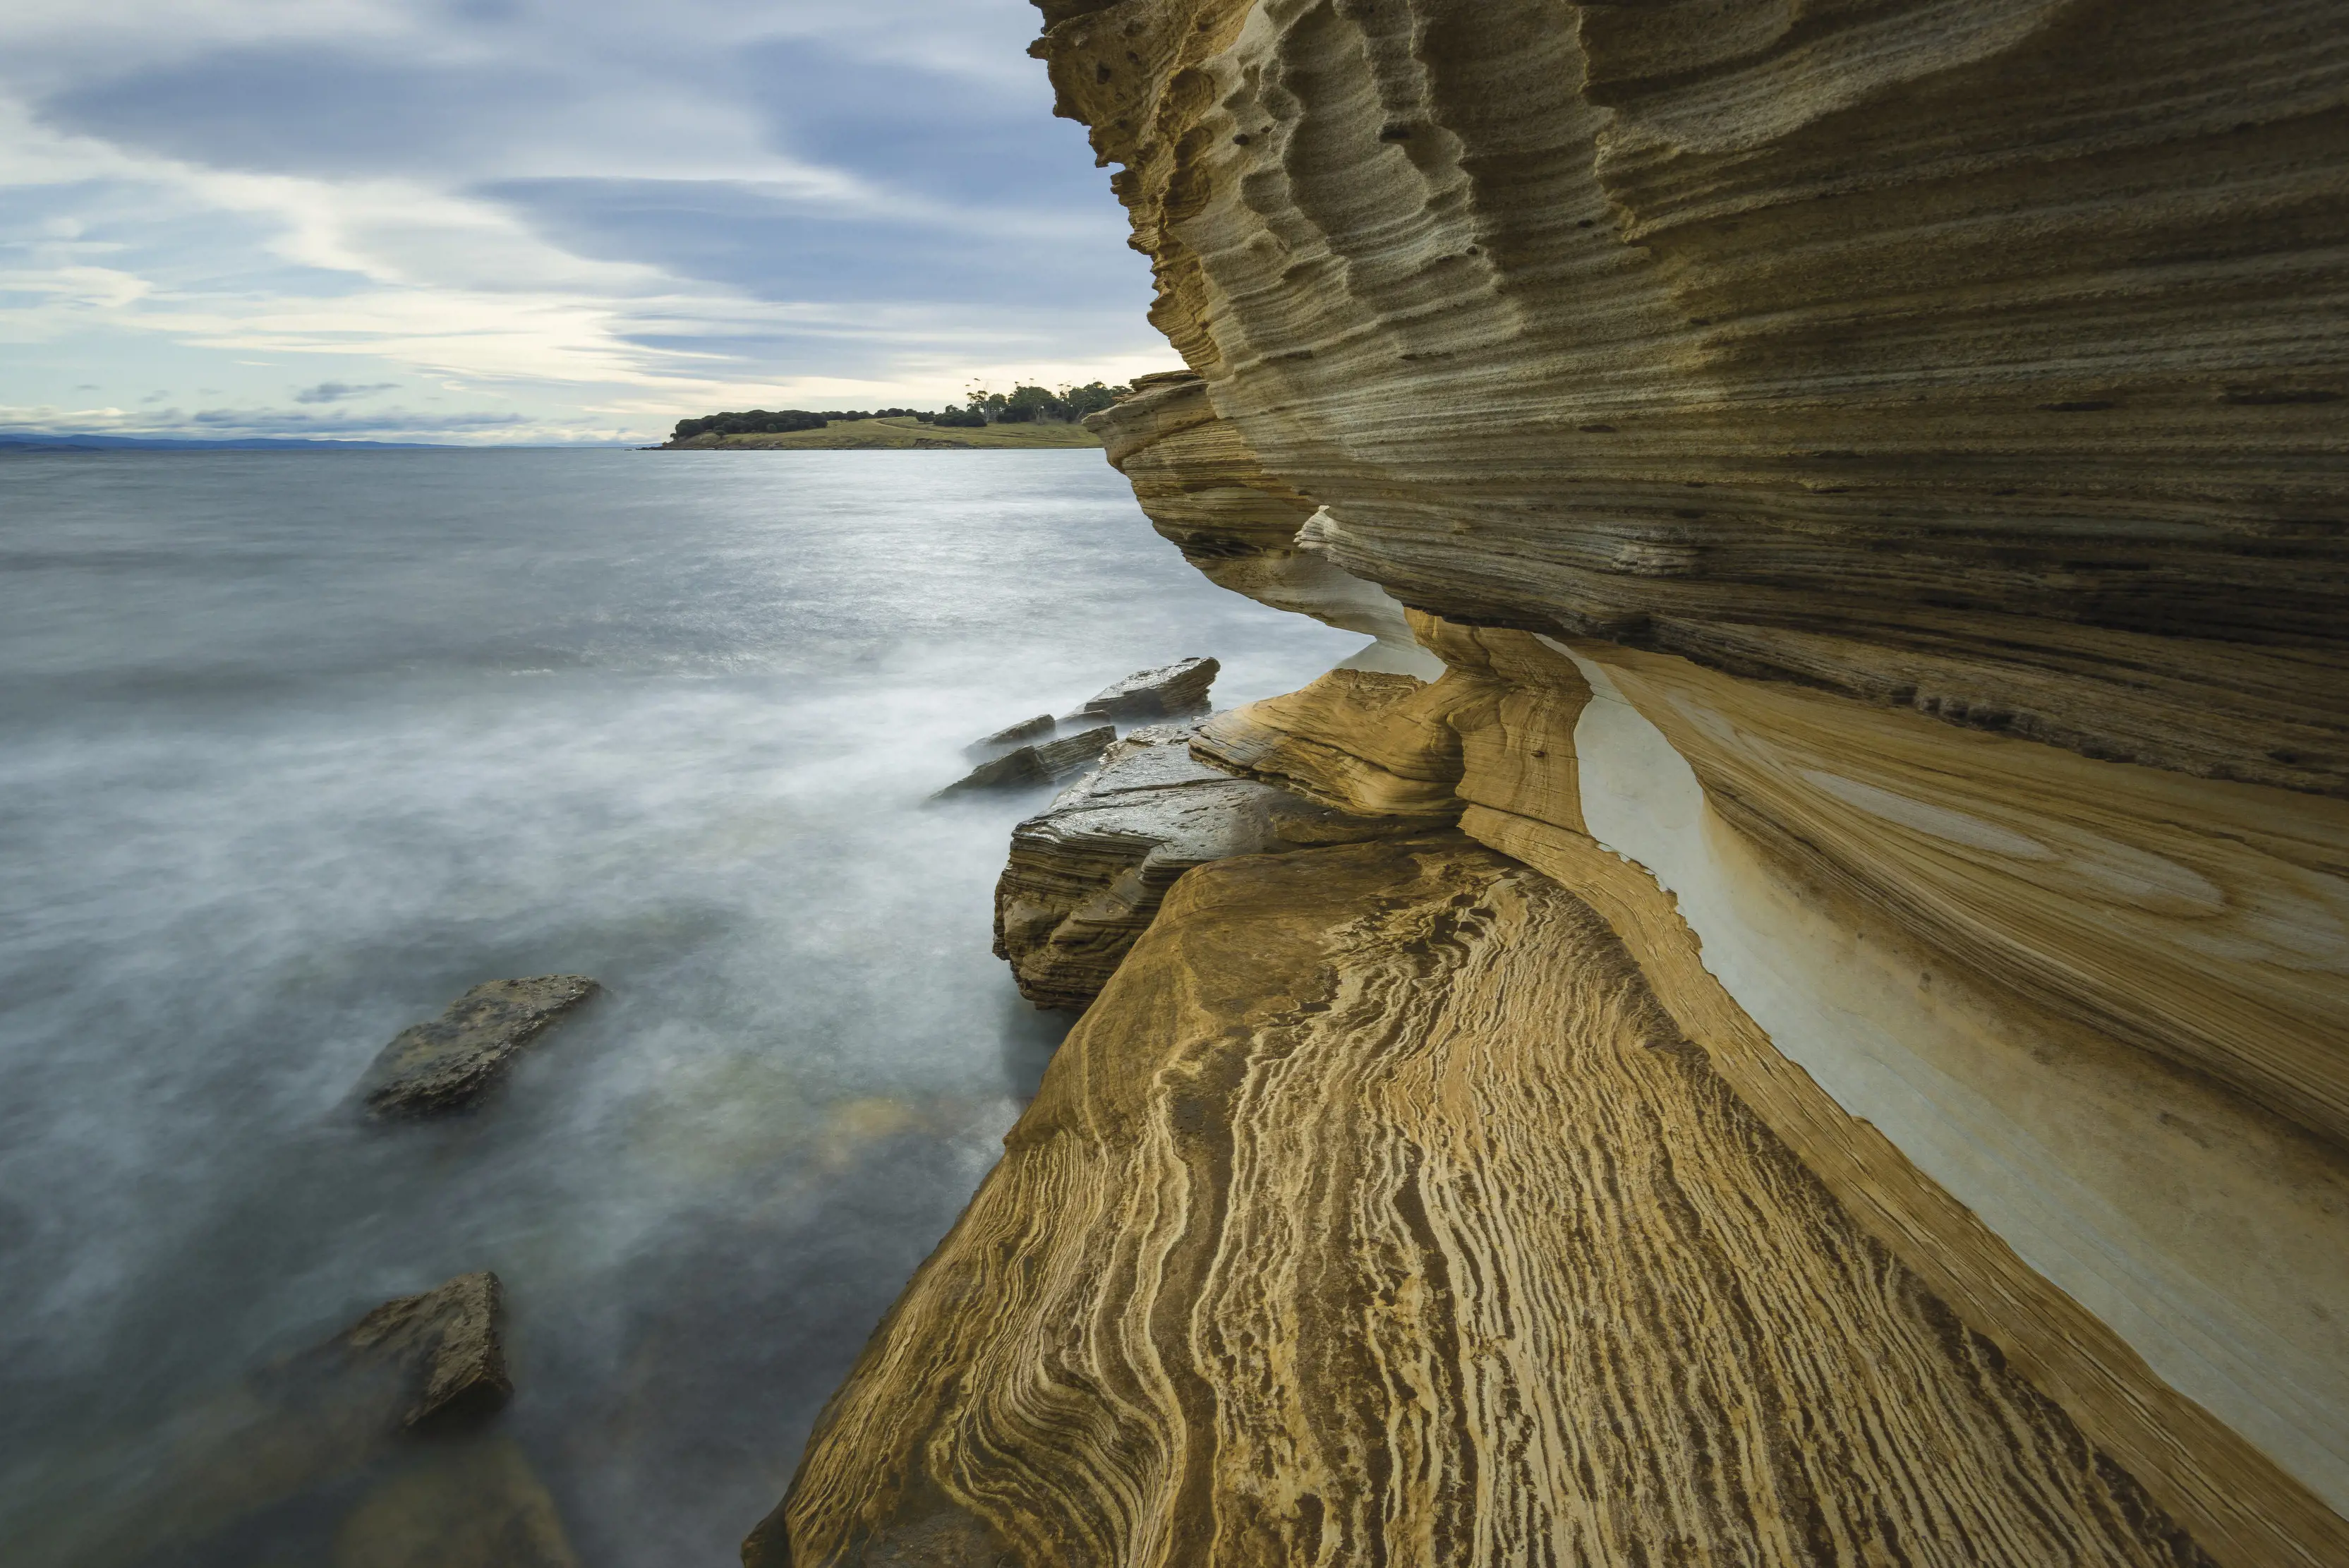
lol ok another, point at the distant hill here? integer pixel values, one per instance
(161, 443)
(897, 434)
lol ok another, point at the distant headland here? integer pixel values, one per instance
(1026, 417)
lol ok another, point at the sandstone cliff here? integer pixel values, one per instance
(1869, 1082)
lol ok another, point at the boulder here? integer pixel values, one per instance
(443, 1346)
(1050, 762)
(1169, 690)
(452, 1062)
(1085, 877)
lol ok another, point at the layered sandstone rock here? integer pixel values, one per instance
(1203, 489)
(1037, 763)
(1374, 743)
(1815, 889)
(1011, 735)
(1869, 476)
(1986, 361)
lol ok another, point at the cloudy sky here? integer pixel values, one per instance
(538, 219)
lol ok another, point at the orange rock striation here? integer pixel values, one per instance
(1867, 1079)
(1378, 1212)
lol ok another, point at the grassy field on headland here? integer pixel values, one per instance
(899, 434)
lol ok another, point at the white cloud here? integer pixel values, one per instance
(136, 248)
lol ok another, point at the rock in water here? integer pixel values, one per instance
(1026, 729)
(291, 1438)
(1049, 762)
(1070, 755)
(444, 1345)
(1085, 877)
(449, 1064)
(1171, 688)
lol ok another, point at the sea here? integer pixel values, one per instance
(297, 746)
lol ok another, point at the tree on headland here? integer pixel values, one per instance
(774, 422)
(1026, 404)
(753, 421)
(1090, 398)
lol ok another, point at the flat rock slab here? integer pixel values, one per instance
(1378, 1175)
(449, 1064)
(1052, 761)
(1085, 877)
(1026, 730)
(1171, 688)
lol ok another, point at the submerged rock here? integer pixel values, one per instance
(479, 1505)
(1085, 877)
(449, 1064)
(1169, 690)
(1033, 728)
(1049, 763)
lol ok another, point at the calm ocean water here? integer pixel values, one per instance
(295, 747)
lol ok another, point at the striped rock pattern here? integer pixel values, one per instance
(1355, 1224)
(1921, 425)
(2092, 1000)
(1987, 360)
(1205, 490)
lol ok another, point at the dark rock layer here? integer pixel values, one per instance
(1041, 762)
(1168, 691)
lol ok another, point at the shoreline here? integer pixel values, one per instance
(899, 434)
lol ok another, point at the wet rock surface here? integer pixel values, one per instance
(1050, 761)
(1166, 691)
(1085, 877)
(449, 1064)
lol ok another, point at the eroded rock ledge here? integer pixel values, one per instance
(1086, 877)
(1380, 1213)
(1982, 360)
